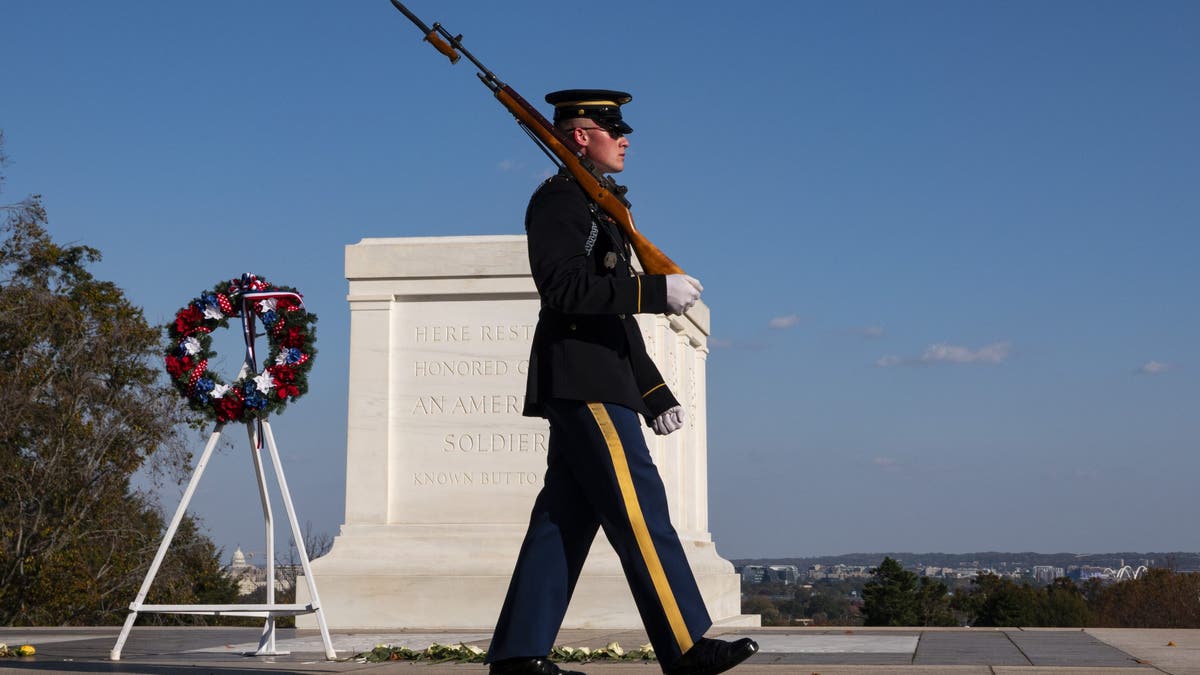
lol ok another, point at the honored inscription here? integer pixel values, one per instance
(469, 368)
(484, 404)
(472, 479)
(516, 442)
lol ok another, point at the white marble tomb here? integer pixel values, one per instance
(442, 469)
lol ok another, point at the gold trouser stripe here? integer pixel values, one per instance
(638, 523)
(639, 280)
(655, 388)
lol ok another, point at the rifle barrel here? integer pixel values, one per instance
(431, 34)
(425, 30)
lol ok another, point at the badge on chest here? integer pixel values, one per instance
(610, 260)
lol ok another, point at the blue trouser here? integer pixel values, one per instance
(599, 474)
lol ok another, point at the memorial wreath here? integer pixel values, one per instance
(284, 377)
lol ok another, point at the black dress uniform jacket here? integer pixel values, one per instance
(587, 345)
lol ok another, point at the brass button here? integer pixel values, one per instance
(572, 326)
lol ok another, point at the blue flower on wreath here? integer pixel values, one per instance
(208, 304)
(289, 356)
(204, 386)
(253, 399)
(269, 317)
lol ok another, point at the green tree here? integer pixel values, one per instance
(934, 604)
(997, 601)
(83, 408)
(890, 597)
(1064, 605)
(1160, 598)
(828, 609)
(765, 608)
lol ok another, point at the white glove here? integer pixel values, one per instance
(670, 420)
(683, 290)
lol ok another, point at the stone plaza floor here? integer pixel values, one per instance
(807, 651)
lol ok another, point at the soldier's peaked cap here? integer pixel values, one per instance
(601, 105)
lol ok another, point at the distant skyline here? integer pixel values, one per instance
(949, 247)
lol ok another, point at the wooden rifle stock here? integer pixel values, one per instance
(653, 260)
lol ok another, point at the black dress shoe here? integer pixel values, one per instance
(709, 657)
(527, 666)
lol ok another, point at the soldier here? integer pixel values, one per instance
(590, 376)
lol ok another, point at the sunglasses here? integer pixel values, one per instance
(611, 134)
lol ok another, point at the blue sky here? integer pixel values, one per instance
(949, 247)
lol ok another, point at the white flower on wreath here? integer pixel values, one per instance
(263, 382)
(213, 312)
(191, 345)
(266, 305)
(219, 390)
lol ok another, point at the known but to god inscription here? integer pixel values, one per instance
(442, 469)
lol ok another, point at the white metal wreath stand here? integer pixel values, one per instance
(270, 610)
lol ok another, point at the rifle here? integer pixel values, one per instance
(601, 189)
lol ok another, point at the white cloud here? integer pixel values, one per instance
(870, 332)
(1154, 368)
(888, 464)
(508, 165)
(782, 322)
(995, 353)
(886, 361)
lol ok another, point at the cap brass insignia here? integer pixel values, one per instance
(610, 259)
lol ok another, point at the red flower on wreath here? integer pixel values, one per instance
(294, 337)
(284, 378)
(188, 320)
(229, 408)
(178, 365)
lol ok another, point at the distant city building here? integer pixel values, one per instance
(754, 574)
(785, 574)
(1046, 574)
(840, 572)
(1086, 572)
(250, 578)
(940, 572)
(768, 574)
